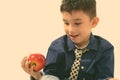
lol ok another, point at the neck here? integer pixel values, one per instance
(84, 44)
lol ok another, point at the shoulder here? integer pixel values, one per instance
(103, 43)
(59, 43)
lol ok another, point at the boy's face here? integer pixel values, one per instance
(78, 25)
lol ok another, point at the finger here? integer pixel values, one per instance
(35, 74)
(32, 72)
(32, 68)
(23, 62)
(27, 67)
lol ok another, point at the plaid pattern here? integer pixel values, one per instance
(76, 64)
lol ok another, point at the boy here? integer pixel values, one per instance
(97, 63)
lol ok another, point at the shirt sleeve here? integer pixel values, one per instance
(55, 61)
(105, 66)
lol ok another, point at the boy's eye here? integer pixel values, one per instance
(77, 23)
(66, 23)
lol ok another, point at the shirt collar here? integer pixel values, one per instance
(92, 43)
(70, 44)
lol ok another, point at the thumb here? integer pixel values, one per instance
(32, 68)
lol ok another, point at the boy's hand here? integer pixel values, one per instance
(26, 67)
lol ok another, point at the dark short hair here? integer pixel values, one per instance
(87, 6)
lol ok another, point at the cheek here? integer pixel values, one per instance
(85, 32)
(86, 29)
(65, 29)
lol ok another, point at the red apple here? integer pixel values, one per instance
(38, 60)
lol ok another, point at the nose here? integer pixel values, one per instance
(71, 30)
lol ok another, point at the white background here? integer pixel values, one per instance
(29, 26)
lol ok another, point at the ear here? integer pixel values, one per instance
(95, 21)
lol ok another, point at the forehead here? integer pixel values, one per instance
(75, 15)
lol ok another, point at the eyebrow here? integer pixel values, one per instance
(74, 19)
(64, 20)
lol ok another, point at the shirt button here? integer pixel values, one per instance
(82, 67)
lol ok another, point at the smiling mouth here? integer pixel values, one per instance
(74, 36)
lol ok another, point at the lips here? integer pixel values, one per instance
(73, 36)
